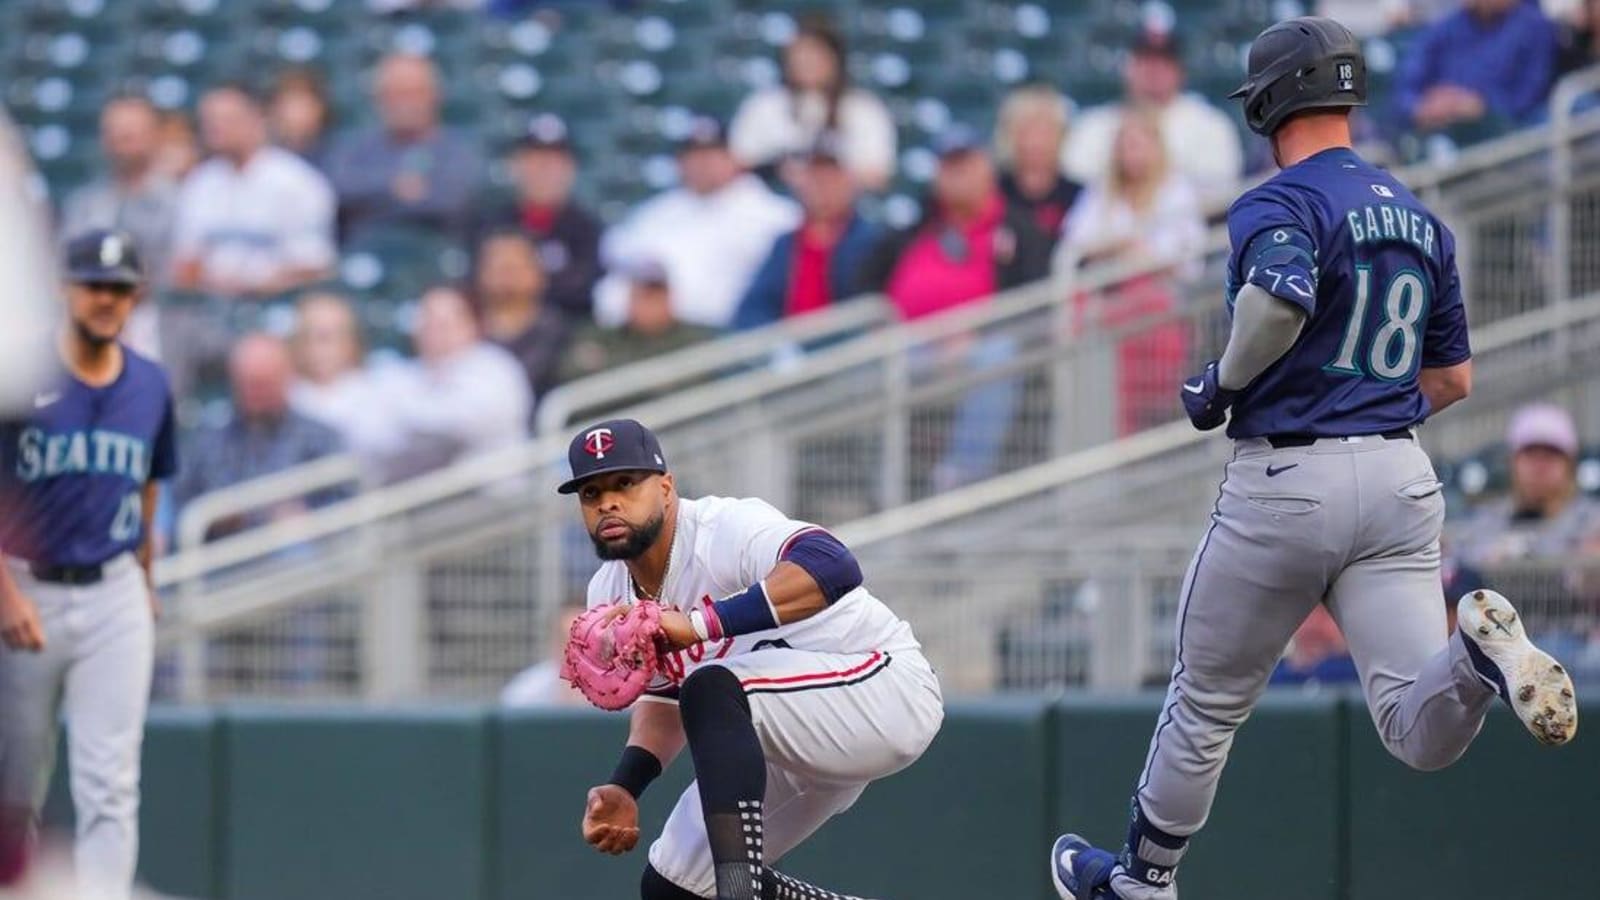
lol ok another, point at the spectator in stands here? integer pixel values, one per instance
(821, 262)
(134, 197)
(252, 219)
(1201, 140)
(1145, 218)
(541, 684)
(298, 114)
(651, 328)
(178, 152)
(461, 398)
(1028, 142)
(774, 124)
(1458, 579)
(970, 244)
(710, 234)
(1485, 68)
(1580, 41)
(568, 236)
(264, 435)
(1546, 516)
(1317, 655)
(409, 171)
(332, 385)
(509, 285)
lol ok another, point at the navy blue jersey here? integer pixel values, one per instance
(1375, 273)
(71, 473)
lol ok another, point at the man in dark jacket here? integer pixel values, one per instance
(819, 263)
(568, 236)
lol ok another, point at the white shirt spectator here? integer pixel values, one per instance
(352, 405)
(1202, 142)
(1171, 230)
(771, 124)
(471, 404)
(710, 245)
(248, 225)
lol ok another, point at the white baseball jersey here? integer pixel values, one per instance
(722, 546)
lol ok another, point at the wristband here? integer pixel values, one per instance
(744, 613)
(635, 770)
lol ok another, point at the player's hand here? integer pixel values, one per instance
(611, 820)
(1205, 401)
(677, 632)
(20, 627)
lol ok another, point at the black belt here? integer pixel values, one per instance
(75, 575)
(1280, 441)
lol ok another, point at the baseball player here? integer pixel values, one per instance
(1347, 331)
(78, 478)
(793, 686)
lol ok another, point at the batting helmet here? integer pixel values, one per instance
(1305, 63)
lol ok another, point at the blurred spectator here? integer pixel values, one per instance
(1201, 140)
(540, 684)
(410, 171)
(177, 150)
(1546, 516)
(509, 285)
(1317, 654)
(1458, 579)
(264, 436)
(651, 328)
(1580, 41)
(819, 263)
(1143, 214)
(969, 245)
(710, 234)
(134, 196)
(1028, 142)
(298, 115)
(816, 96)
(1373, 18)
(253, 218)
(1487, 67)
(568, 236)
(332, 386)
(462, 397)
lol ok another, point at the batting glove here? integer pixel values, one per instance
(1205, 401)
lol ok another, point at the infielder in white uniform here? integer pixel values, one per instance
(78, 477)
(792, 685)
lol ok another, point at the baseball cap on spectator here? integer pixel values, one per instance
(957, 139)
(1152, 42)
(703, 132)
(104, 256)
(546, 131)
(644, 271)
(827, 148)
(1543, 425)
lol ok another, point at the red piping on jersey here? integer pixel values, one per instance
(816, 676)
(789, 544)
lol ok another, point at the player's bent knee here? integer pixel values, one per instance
(1424, 759)
(712, 687)
(655, 886)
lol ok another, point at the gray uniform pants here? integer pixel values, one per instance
(95, 674)
(1350, 522)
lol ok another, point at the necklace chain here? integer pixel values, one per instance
(638, 589)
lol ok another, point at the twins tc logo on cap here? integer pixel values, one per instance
(599, 442)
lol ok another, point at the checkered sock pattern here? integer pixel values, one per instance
(786, 888)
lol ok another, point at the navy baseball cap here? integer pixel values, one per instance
(617, 445)
(957, 139)
(546, 131)
(103, 256)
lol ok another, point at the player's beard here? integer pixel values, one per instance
(640, 538)
(89, 337)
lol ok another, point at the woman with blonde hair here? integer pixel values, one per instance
(1028, 139)
(1144, 216)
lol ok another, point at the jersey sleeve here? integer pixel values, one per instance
(746, 540)
(1446, 342)
(1274, 247)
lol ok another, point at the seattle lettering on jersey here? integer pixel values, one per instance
(1386, 222)
(96, 452)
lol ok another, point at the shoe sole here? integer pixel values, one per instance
(1537, 687)
(1055, 866)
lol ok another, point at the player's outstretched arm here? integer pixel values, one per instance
(1445, 385)
(611, 813)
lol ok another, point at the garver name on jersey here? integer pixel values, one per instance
(96, 452)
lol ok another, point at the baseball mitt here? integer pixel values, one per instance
(611, 652)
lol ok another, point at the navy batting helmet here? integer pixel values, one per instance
(1298, 64)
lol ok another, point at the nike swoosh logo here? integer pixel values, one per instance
(1066, 859)
(1194, 388)
(42, 400)
(1271, 472)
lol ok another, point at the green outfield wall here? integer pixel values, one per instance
(249, 803)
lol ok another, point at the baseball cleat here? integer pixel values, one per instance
(1530, 681)
(1081, 871)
